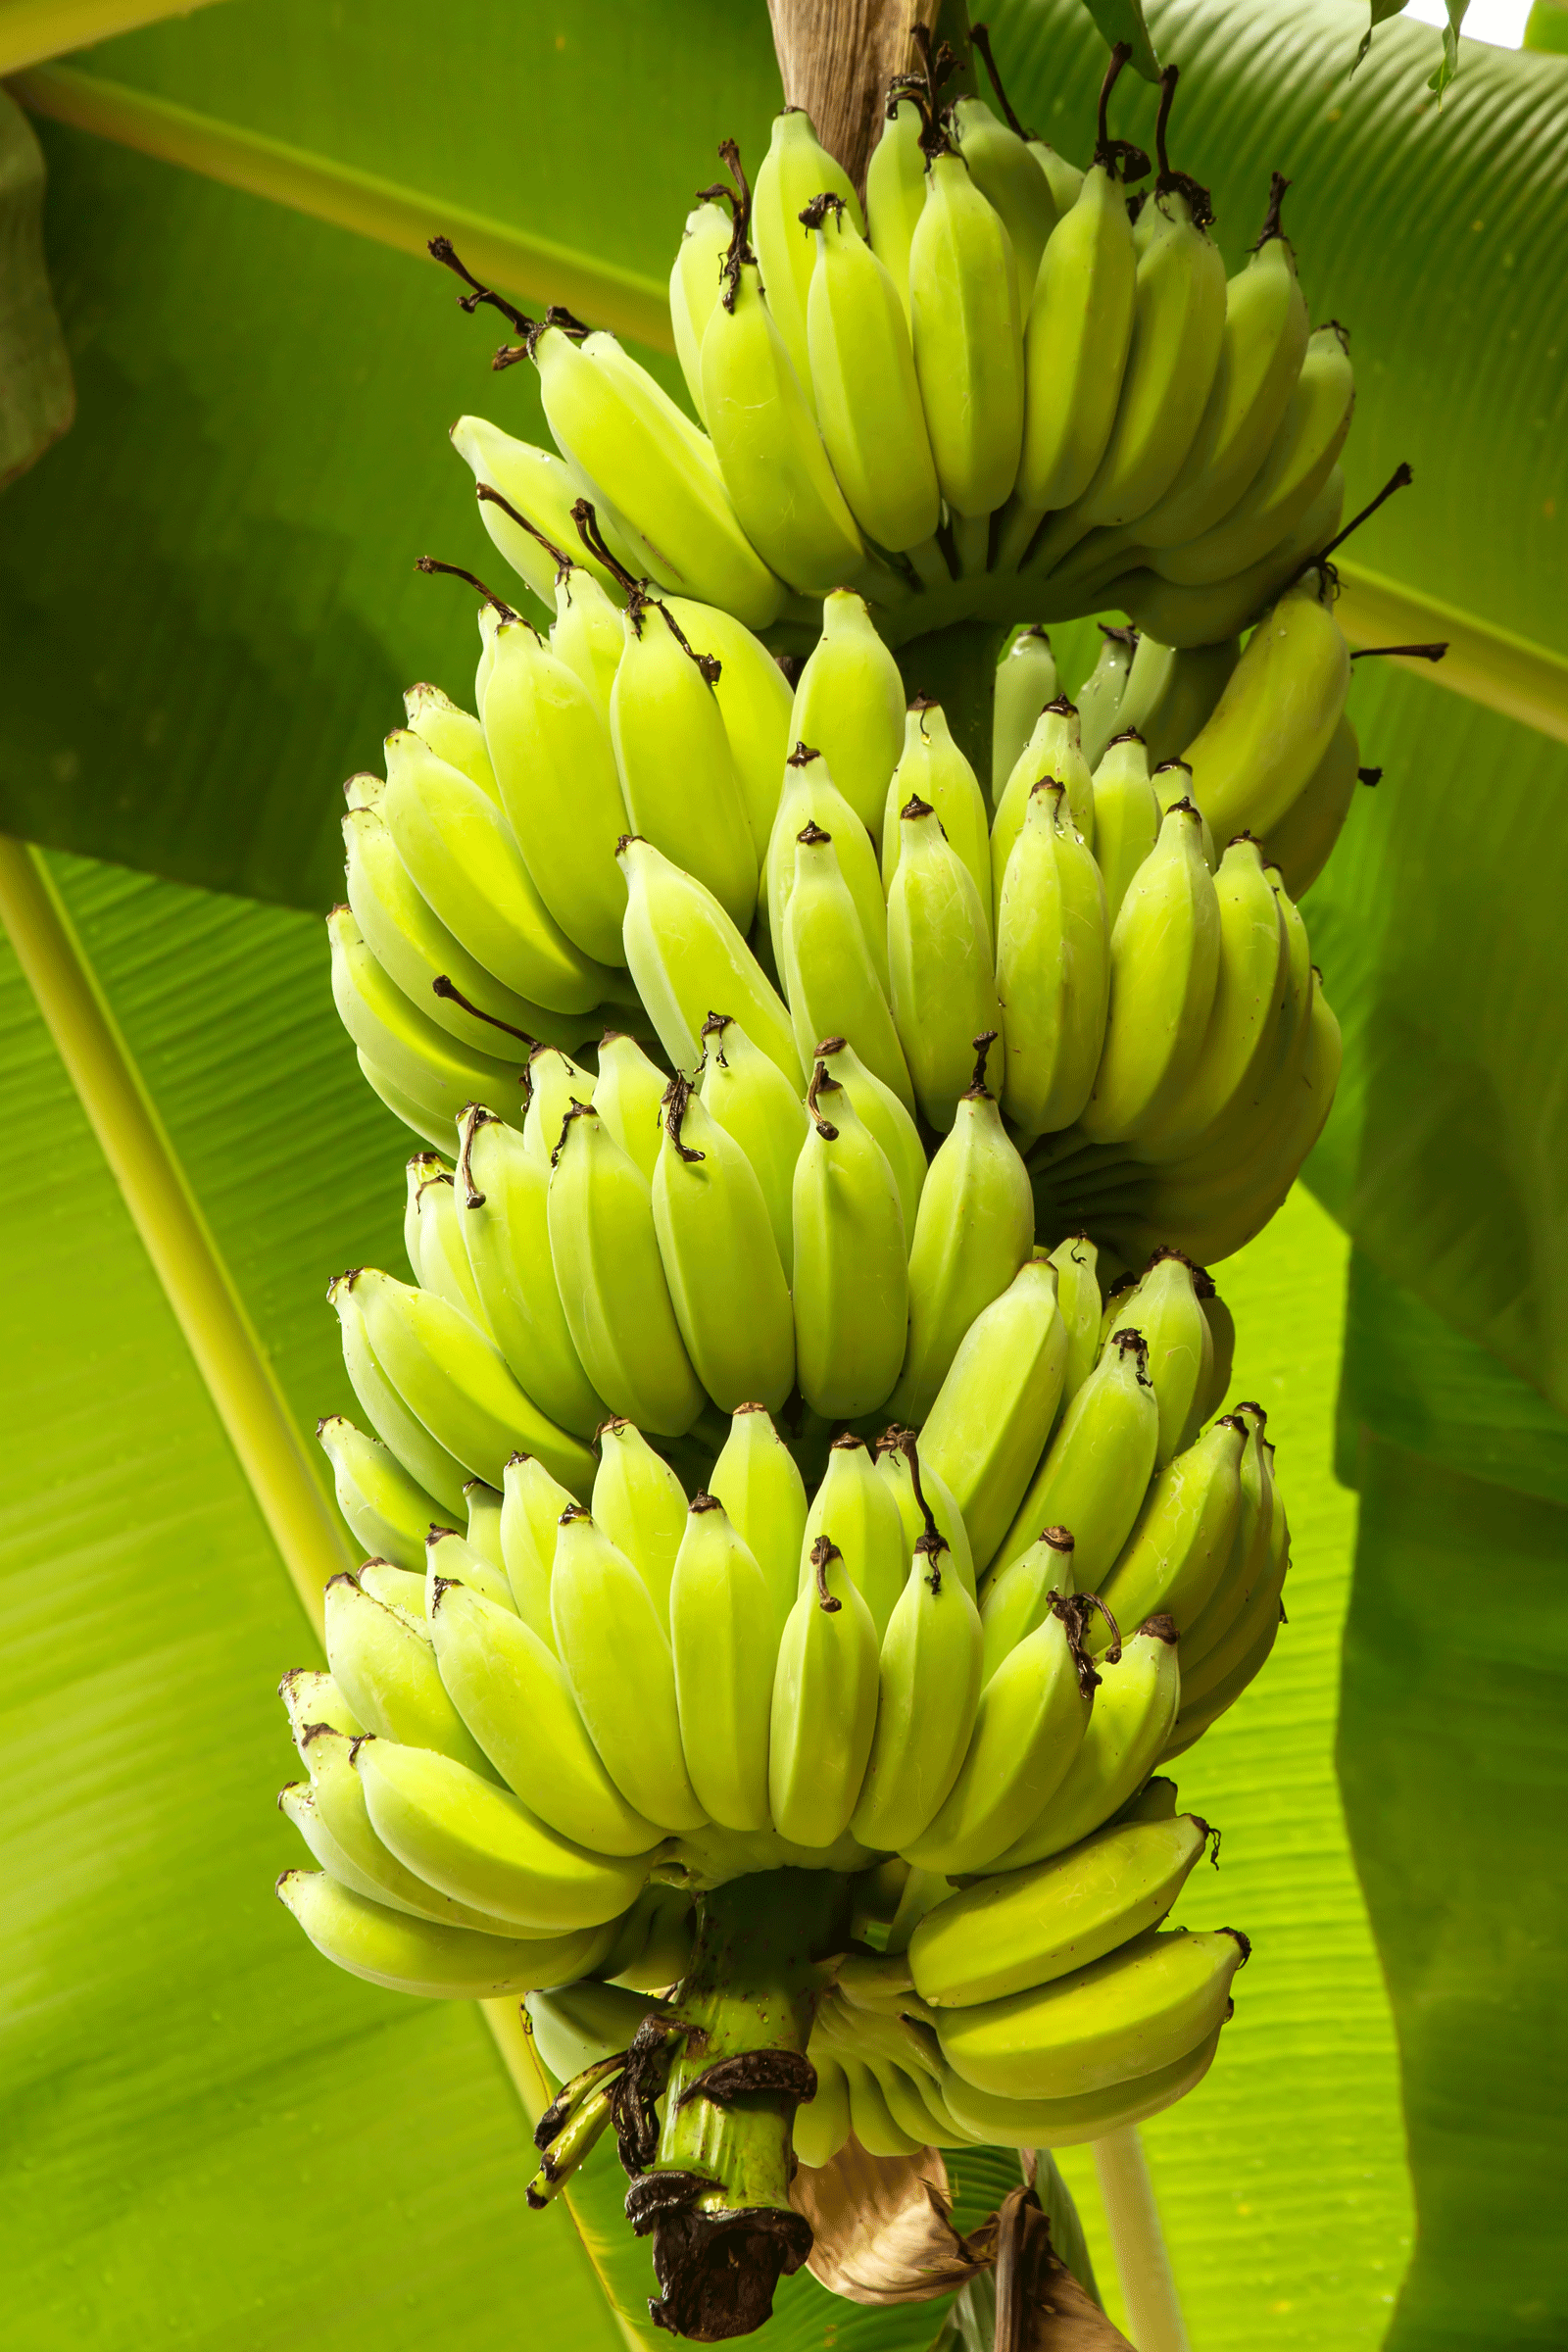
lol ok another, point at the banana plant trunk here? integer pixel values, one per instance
(711, 2181)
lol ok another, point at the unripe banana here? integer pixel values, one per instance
(387, 1511)
(450, 1559)
(829, 972)
(694, 288)
(1076, 340)
(1166, 1309)
(850, 1277)
(1171, 782)
(1255, 1553)
(541, 488)
(895, 191)
(929, 1682)
(863, 384)
(1135, 1707)
(882, 1111)
(758, 410)
(1017, 1598)
(973, 1232)
(480, 1844)
(870, 2117)
(1026, 681)
(1098, 1467)
(857, 1509)
(395, 1588)
(1300, 841)
(628, 1096)
(726, 1282)
(399, 1428)
(1171, 694)
(925, 1508)
(1282, 493)
(1127, 815)
(824, 1705)
(383, 1663)
(463, 856)
(1164, 958)
(1010, 1934)
(822, 2123)
(810, 797)
(581, 2024)
(687, 959)
(944, 991)
(1193, 1722)
(849, 702)
(653, 1948)
(725, 1637)
(459, 1384)
(1028, 1728)
(453, 734)
(754, 700)
(555, 1083)
(758, 1482)
(551, 748)
(1276, 718)
(795, 168)
(1069, 2123)
(531, 1505)
(993, 1414)
(1176, 1551)
(311, 1697)
(1077, 1260)
(1242, 1040)
(1009, 176)
(416, 1955)
(1137, 2010)
(640, 1505)
(616, 1652)
(512, 1693)
(759, 1109)
(1099, 696)
(604, 1245)
(1052, 967)
(434, 1239)
(484, 1525)
(933, 769)
(1053, 754)
(646, 470)
(1187, 617)
(502, 1200)
(331, 1816)
(968, 349)
(678, 771)
(423, 1063)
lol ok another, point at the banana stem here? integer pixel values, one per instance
(956, 667)
(1132, 2216)
(715, 2195)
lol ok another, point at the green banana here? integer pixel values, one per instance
(464, 859)
(502, 1196)
(1010, 1934)
(932, 769)
(1164, 958)
(1134, 1711)
(330, 1815)
(387, 1511)
(1166, 1307)
(1008, 176)
(424, 1062)
(925, 1503)
(726, 1282)
(851, 1263)
(857, 1508)
(1276, 718)
(384, 1665)
(1178, 1549)
(973, 1231)
(795, 168)
(1026, 681)
(438, 1258)
(1099, 696)
(1029, 1727)
(848, 701)
(1098, 1466)
(759, 1485)
(450, 1559)
(458, 1382)
(944, 991)
(1191, 1723)
(994, 1412)
(538, 486)
(395, 1588)
(611, 1639)
(1076, 1260)
(653, 1948)
(968, 349)
(640, 1505)
(1300, 841)
(1127, 815)
(761, 1110)
(1052, 968)
(687, 958)
(1017, 1598)
(604, 1245)
(531, 1505)
(895, 190)
(677, 772)
(724, 1639)
(1068, 2123)
(754, 702)
(546, 734)
(830, 974)
(811, 798)
(628, 1095)
(1054, 754)
(863, 384)
(416, 1955)
(824, 1705)
(555, 1083)
(582, 2023)
(1171, 782)
(929, 1682)
(480, 1844)
(1123, 2016)
(822, 2123)
(588, 638)
(694, 286)
(1171, 693)
(421, 1455)
(881, 1110)
(453, 734)
(1189, 616)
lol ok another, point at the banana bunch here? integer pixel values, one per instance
(1004, 389)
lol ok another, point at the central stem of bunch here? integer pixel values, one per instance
(715, 2189)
